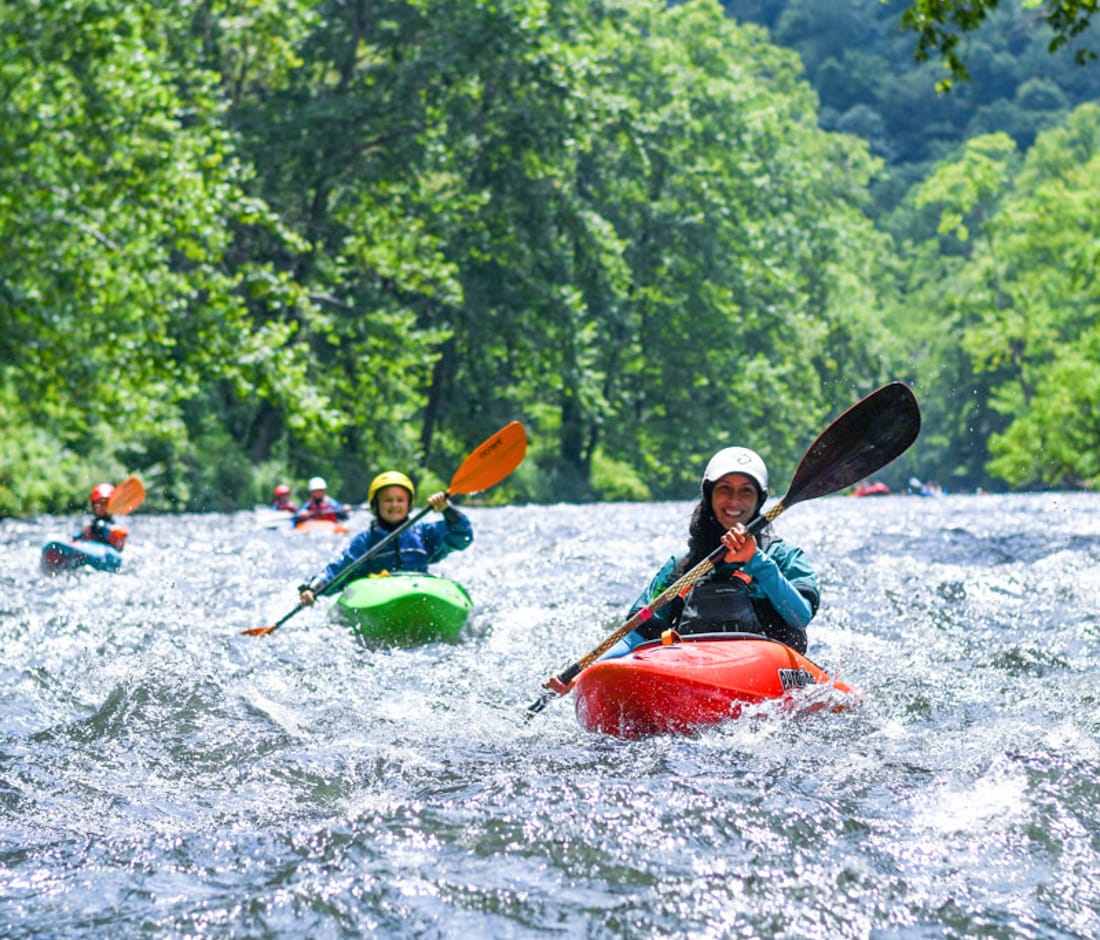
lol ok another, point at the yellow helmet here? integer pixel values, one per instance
(390, 478)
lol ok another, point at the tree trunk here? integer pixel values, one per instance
(264, 433)
(442, 372)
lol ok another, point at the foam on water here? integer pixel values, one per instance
(160, 774)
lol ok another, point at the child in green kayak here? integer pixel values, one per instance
(391, 495)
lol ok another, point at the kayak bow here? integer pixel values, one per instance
(687, 683)
(68, 556)
(406, 608)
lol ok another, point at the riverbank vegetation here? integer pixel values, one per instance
(247, 242)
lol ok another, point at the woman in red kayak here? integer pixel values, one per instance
(391, 495)
(102, 528)
(764, 585)
(320, 505)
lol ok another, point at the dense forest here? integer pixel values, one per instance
(247, 242)
(861, 62)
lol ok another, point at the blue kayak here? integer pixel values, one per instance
(67, 556)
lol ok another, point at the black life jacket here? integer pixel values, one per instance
(718, 606)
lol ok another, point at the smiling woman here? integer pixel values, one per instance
(863, 439)
(739, 485)
(761, 584)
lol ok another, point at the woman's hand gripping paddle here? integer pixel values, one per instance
(488, 464)
(127, 496)
(861, 441)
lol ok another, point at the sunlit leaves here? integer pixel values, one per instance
(367, 233)
(122, 198)
(968, 187)
(940, 24)
(1034, 296)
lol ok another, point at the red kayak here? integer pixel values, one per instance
(872, 489)
(329, 526)
(691, 682)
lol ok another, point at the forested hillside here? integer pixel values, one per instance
(242, 242)
(860, 61)
(999, 293)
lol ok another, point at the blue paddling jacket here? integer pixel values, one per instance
(413, 550)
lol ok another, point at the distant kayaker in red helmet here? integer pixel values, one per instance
(102, 528)
(391, 495)
(282, 499)
(320, 505)
(764, 585)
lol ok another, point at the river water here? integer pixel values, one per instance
(163, 776)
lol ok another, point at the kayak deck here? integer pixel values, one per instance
(406, 608)
(61, 556)
(693, 682)
(327, 526)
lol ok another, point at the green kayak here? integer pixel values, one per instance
(406, 608)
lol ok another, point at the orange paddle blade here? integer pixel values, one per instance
(258, 631)
(128, 495)
(491, 461)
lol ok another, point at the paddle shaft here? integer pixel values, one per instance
(343, 575)
(370, 553)
(674, 590)
(866, 437)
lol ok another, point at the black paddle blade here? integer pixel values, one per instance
(861, 441)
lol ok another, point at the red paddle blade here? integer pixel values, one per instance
(491, 461)
(128, 495)
(258, 631)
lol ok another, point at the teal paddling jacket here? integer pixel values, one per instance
(413, 550)
(782, 590)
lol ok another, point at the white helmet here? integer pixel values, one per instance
(737, 460)
(317, 483)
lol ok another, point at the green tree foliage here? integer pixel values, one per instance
(861, 63)
(119, 199)
(409, 151)
(1040, 327)
(248, 240)
(330, 236)
(744, 242)
(948, 217)
(940, 24)
(1011, 278)
(620, 217)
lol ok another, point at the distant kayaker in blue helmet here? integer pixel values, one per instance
(763, 585)
(102, 528)
(320, 505)
(391, 496)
